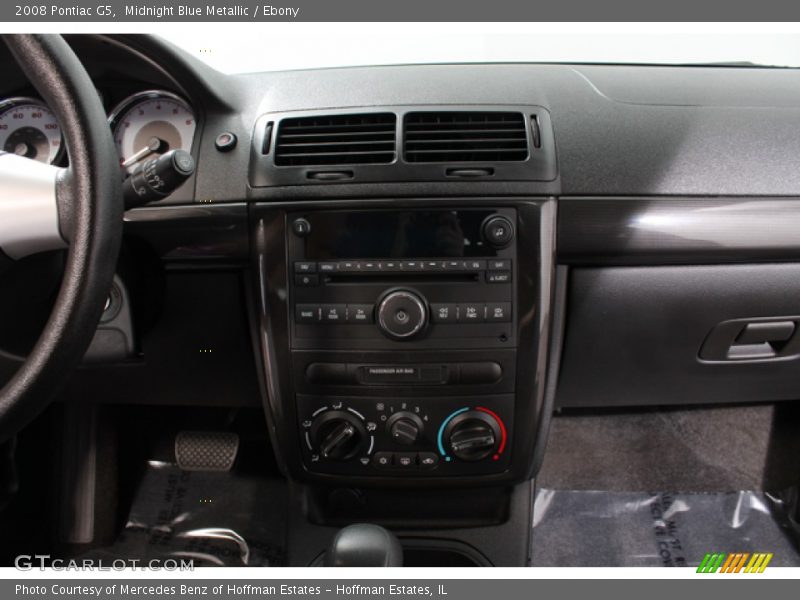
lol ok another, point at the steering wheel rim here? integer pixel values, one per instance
(88, 200)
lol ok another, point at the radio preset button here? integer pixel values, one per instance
(349, 266)
(444, 313)
(306, 280)
(371, 265)
(390, 265)
(474, 265)
(498, 277)
(411, 265)
(334, 313)
(307, 313)
(498, 312)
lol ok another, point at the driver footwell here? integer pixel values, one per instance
(212, 518)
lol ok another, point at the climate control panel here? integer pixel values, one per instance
(420, 437)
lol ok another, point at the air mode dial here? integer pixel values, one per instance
(338, 435)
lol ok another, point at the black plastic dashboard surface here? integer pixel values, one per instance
(618, 130)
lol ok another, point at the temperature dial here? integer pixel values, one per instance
(338, 435)
(472, 435)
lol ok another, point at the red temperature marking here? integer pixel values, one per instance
(503, 434)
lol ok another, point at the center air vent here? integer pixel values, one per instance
(336, 140)
(465, 137)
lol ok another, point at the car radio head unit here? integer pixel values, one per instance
(386, 279)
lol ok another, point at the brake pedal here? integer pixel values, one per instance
(206, 450)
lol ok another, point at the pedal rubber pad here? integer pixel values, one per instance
(206, 450)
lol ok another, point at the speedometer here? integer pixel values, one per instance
(28, 128)
(151, 123)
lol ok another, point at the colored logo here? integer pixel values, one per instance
(737, 562)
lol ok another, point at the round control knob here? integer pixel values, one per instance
(338, 435)
(404, 427)
(498, 231)
(472, 435)
(402, 314)
(301, 227)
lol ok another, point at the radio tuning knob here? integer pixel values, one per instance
(402, 314)
(498, 231)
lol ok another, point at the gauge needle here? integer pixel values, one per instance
(154, 144)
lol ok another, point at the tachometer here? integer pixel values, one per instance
(30, 129)
(151, 123)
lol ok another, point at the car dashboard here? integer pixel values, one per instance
(411, 268)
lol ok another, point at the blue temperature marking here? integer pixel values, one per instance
(444, 424)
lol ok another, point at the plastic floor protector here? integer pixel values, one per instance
(212, 518)
(631, 529)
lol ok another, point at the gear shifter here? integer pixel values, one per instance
(364, 545)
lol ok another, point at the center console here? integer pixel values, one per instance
(405, 340)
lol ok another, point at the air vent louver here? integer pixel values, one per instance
(336, 140)
(465, 137)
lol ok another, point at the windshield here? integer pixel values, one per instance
(317, 45)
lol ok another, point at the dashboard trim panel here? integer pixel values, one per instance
(536, 234)
(677, 230)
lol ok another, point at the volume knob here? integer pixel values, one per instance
(402, 314)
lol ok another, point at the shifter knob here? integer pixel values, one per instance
(364, 545)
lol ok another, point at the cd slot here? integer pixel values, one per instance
(393, 278)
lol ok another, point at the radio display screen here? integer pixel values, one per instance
(397, 234)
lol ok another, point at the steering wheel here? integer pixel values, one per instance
(44, 207)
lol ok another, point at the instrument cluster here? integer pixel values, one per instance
(144, 125)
